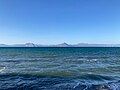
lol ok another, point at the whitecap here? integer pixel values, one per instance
(2, 68)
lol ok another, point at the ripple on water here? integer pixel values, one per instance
(56, 83)
(2, 69)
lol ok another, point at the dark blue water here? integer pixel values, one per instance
(60, 68)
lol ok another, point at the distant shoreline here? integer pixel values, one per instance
(61, 45)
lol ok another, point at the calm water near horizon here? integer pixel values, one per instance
(60, 68)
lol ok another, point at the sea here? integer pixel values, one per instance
(60, 68)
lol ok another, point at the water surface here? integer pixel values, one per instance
(60, 68)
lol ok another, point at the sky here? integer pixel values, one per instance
(58, 21)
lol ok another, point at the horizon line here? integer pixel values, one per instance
(58, 43)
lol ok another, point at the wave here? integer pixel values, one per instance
(2, 68)
(86, 82)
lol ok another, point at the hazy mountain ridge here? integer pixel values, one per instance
(61, 45)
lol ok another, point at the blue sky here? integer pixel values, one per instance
(57, 21)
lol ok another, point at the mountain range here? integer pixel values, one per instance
(61, 45)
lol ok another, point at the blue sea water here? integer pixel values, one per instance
(70, 68)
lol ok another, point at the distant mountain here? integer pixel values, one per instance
(3, 45)
(90, 45)
(25, 45)
(61, 45)
(19, 45)
(93, 45)
(30, 45)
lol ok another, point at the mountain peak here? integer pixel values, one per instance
(30, 45)
(63, 45)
